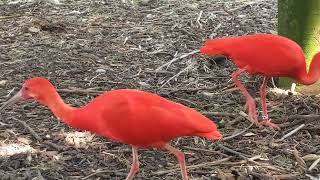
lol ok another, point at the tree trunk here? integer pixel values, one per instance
(300, 21)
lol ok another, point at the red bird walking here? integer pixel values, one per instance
(266, 54)
(130, 116)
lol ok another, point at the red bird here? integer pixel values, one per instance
(130, 116)
(266, 54)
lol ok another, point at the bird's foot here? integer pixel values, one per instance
(250, 106)
(267, 122)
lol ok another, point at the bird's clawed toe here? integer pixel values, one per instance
(267, 122)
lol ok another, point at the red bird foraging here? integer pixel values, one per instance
(130, 116)
(266, 54)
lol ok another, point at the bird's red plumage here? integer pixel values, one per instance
(138, 118)
(141, 118)
(267, 54)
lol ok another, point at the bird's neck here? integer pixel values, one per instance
(313, 74)
(59, 108)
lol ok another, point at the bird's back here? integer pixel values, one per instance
(145, 119)
(267, 54)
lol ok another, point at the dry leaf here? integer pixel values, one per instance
(311, 157)
(249, 134)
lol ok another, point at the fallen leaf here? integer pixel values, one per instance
(311, 157)
(249, 134)
(34, 29)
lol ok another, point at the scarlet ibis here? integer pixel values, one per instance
(130, 116)
(266, 54)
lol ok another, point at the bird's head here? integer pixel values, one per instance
(37, 88)
(217, 46)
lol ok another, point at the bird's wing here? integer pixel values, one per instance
(147, 125)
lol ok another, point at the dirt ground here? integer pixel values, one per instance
(85, 47)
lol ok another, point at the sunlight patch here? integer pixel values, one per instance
(14, 148)
(282, 91)
(79, 139)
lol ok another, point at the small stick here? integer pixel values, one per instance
(198, 19)
(292, 132)
(171, 91)
(232, 151)
(205, 150)
(273, 83)
(94, 77)
(210, 113)
(296, 119)
(194, 166)
(32, 132)
(79, 91)
(286, 176)
(268, 166)
(178, 74)
(298, 158)
(314, 164)
(176, 59)
(102, 171)
(55, 146)
(305, 117)
(237, 134)
(9, 94)
(243, 114)
(40, 177)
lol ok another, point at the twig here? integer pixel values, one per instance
(286, 176)
(8, 17)
(232, 151)
(243, 114)
(189, 90)
(264, 165)
(178, 74)
(273, 83)
(94, 77)
(297, 119)
(80, 91)
(16, 61)
(194, 166)
(300, 161)
(176, 59)
(2, 123)
(292, 132)
(231, 11)
(268, 166)
(102, 171)
(237, 134)
(313, 177)
(53, 145)
(210, 113)
(314, 164)
(125, 41)
(304, 117)
(32, 132)
(10, 92)
(198, 19)
(205, 150)
(40, 177)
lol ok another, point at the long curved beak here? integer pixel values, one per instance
(12, 101)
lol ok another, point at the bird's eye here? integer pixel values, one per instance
(26, 88)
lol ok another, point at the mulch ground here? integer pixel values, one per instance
(85, 47)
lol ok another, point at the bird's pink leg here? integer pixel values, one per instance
(265, 118)
(250, 104)
(135, 163)
(181, 159)
(263, 99)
